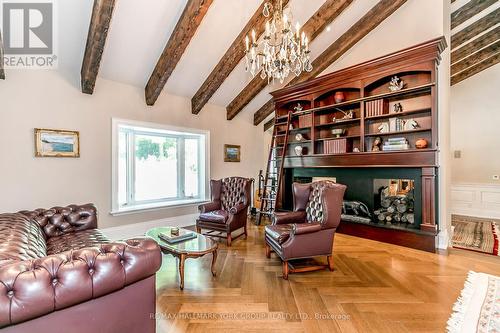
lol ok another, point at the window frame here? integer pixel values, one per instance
(154, 129)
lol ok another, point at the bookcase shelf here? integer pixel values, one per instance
(417, 130)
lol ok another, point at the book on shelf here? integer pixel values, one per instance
(392, 144)
(305, 120)
(376, 107)
(335, 146)
(183, 235)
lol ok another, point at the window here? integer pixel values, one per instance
(156, 166)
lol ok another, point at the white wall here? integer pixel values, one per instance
(475, 118)
(47, 99)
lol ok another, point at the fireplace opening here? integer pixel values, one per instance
(389, 198)
(394, 202)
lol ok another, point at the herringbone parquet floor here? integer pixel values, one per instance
(375, 287)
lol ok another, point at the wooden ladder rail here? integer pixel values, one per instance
(266, 198)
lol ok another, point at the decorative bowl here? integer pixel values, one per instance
(338, 132)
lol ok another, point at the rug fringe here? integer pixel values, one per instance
(496, 239)
(461, 305)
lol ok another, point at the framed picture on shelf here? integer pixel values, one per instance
(232, 153)
(56, 143)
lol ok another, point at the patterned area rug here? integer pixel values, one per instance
(478, 307)
(475, 234)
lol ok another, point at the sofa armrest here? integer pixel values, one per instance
(33, 288)
(306, 228)
(208, 207)
(290, 217)
(238, 208)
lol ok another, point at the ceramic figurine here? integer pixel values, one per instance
(396, 84)
(298, 137)
(383, 128)
(298, 108)
(410, 124)
(398, 108)
(376, 144)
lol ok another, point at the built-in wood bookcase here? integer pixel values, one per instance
(359, 104)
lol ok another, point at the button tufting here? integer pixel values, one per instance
(122, 261)
(54, 281)
(91, 271)
(10, 293)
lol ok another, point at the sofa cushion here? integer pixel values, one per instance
(75, 241)
(279, 232)
(57, 221)
(216, 216)
(21, 238)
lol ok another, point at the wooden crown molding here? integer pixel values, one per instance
(186, 27)
(102, 13)
(231, 59)
(360, 29)
(475, 29)
(327, 13)
(471, 8)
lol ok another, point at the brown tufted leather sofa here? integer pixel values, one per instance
(58, 273)
(227, 212)
(309, 230)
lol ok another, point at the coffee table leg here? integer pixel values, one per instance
(214, 258)
(182, 259)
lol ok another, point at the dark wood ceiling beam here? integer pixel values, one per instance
(186, 27)
(475, 29)
(2, 71)
(102, 13)
(476, 58)
(477, 44)
(326, 14)
(229, 61)
(382, 10)
(470, 9)
(269, 124)
(477, 68)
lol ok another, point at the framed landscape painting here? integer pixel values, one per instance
(232, 153)
(56, 143)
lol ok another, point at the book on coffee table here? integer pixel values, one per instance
(184, 235)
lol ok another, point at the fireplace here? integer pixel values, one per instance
(396, 200)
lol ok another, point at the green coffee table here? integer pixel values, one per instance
(193, 248)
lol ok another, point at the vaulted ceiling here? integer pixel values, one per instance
(475, 40)
(193, 48)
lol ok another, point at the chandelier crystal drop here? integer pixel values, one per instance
(281, 51)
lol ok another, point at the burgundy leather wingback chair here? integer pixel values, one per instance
(227, 212)
(309, 230)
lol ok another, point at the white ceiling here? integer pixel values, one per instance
(140, 29)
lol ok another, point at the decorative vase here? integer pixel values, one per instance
(298, 150)
(339, 97)
(421, 144)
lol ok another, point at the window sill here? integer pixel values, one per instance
(157, 206)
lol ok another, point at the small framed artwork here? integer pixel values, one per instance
(56, 143)
(232, 153)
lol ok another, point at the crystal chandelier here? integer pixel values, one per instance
(280, 51)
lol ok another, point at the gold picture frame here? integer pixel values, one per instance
(56, 143)
(232, 153)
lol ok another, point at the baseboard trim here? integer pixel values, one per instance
(139, 229)
(479, 200)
